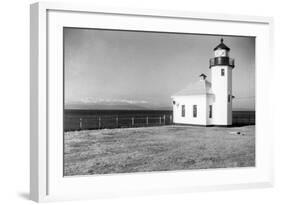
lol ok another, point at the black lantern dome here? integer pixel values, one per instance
(223, 59)
(222, 46)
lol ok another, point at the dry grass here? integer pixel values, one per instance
(157, 149)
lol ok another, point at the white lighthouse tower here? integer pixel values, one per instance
(221, 69)
(208, 103)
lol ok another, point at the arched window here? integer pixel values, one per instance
(183, 110)
(222, 72)
(194, 111)
(228, 97)
(210, 111)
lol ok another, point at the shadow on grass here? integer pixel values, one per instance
(241, 125)
(24, 195)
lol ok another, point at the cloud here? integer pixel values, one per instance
(90, 100)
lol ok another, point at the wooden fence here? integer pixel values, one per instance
(108, 121)
(126, 121)
(240, 118)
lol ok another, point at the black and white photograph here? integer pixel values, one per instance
(141, 101)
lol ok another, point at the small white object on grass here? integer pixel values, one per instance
(236, 133)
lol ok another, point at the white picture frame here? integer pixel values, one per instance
(46, 180)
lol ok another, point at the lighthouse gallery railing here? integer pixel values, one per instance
(222, 61)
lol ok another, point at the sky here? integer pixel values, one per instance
(146, 68)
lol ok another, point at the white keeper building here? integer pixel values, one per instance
(208, 103)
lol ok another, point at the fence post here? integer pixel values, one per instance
(117, 121)
(99, 122)
(171, 120)
(146, 120)
(160, 120)
(133, 122)
(164, 119)
(80, 123)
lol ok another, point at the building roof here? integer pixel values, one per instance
(203, 76)
(222, 46)
(200, 87)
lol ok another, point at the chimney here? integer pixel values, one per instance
(202, 77)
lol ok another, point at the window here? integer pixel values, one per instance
(222, 72)
(194, 110)
(183, 110)
(210, 111)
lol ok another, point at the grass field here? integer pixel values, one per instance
(157, 149)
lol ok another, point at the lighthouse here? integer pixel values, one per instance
(206, 102)
(221, 72)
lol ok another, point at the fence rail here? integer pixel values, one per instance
(243, 118)
(126, 121)
(101, 122)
